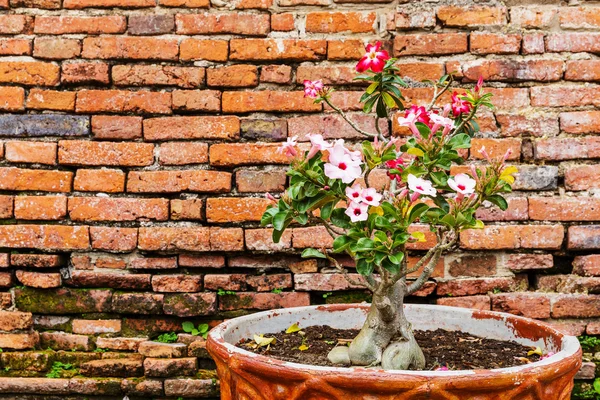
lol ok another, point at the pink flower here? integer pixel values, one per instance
(342, 165)
(371, 197)
(312, 88)
(357, 211)
(353, 193)
(356, 155)
(460, 106)
(398, 164)
(479, 85)
(374, 58)
(462, 183)
(421, 186)
(288, 148)
(421, 114)
(318, 144)
(409, 121)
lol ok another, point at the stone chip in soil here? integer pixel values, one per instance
(456, 350)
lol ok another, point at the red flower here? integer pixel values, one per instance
(459, 106)
(398, 163)
(421, 114)
(374, 59)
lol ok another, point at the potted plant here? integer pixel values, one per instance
(329, 185)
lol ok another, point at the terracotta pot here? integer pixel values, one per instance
(245, 375)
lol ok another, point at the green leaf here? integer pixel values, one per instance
(364, 244)
(203, 328)
(267, 217)
(195, 332)
(341, 242)
(277, 235)
(389, 100)
(460, 141)
(372, 87)
(597, 385)
(499, 201)
(340, 219)
(308, 253)
(363, 267)
(279, 220)
(187, 326)
(417, 210)
(396, 258)
(302, 219)
(326, 210)
(381, 108)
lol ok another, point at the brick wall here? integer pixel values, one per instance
(139, 137)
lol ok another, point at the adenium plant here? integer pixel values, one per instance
(329, 185)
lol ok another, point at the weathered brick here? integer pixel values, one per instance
(15, 320)
(587, 265)
(196, 100)
(226, 239)
(467, 287)
(59, 25)
(282, 22)
(529, 305)
(50, 100)
(264, 129)
(12, 98)
(263, 301)
(56, 48)
(513, 70)
(34, 73)
(239, 75)
(15, 47)
(471, 15)
(177, 283)
(490, 43)
(426, 44)
(496, 148)
(336, 22)
(192, 128)
(568, 284)
(254, 181)
(40, 207)
(579, 17)
(235, 209)
(185, 3)
(173, 153)
(6, 211)
(406, 19)
(150, 24)
(573, 42)
(30, 152)
(580, 122)
(38, 279)
(478, 302)
(99, 180)
(532, 17)
(162, 350)
(584, 237)
(191, 387)
(77, 4)
(76, 152)
(147, 75)
(36, 260)
(35, 179)
(93, 327)
(153, 263)
(22, 341)
(178, 181)
(125, 368)
(43, 125)
(84, 72)
(513, 237)
(117, 209)
(44, 4)
(113, 238)
(110, 279)
(12, 24)
(219, 23)
(345, 49)
(116, 127)
(122, 101)
(280, 49)
(576, 305)
(73, 301)
(567, 148)
(189, 304)
(564, 208)
(174, 238)
(234, 154)
(314, 236)
(281, 74)
(563, 96)
(125, 47)
(471, 265)
(120, 343)
(267, 100)
(137, 303)
(525, 262)
(533, 124)
(533, 43)
(188, 209)
(159, 367)
(192, 49)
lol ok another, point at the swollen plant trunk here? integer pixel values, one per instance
(386, 322)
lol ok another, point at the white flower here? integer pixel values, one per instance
(462, 183)
(422, 186)
(353, 193)
(409, 120)
(342, 165)
(443, 121)
(371, 197)
(317, 141)
(357, 211)
(289, 147)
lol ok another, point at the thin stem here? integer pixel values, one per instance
(368, 283)
(348, 120)
(437, 95)
(464, 121)
(430, 266)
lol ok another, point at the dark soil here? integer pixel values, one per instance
(454, 350)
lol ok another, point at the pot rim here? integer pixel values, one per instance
(569, 344)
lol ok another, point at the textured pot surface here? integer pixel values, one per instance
(245, 375)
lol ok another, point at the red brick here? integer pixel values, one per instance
(118, 209)
(178, 181)
(583, 70)
(534, 124)
(30, 152)
(263, 301)
(6, 211)
(35, 179)
(345, 49)
(204, 261)
(177, 283)
(204, 49)
(582, 177)
(157, 367)
(567, 148)
(39, 99)
(529, 305)
(110, 279)
(22, 341)
(281, 74)
(313, 236)
(226, 239)
(254, 4)
(329, 75)
(282, 22)
(116, 127)
(174, 238)
(260, 181)
(262, 240)
(587, 265)
(12, 24)
(564, 208)
(413, 19)
(127, 47)
(36, 260)
(267, 101)
(151, 24)
(235, 209)
(573, 42)
(93, 327)
(513, 71)
(427, 44)
(81, 152)
(120, 343)
(29, 73)
(6, 280)
(580, 122)
(39, 280)
(192, 128)
(158, 75)
(325, 282)
(576, 305)
(337, 22)
(220, 23)
(84, 72)
(239, 75)
(225, 282)
(174, 153)
(56, 48)
(280, 49)
(579, 17)
(584, 237)
(479, 302)
(490, 43)
(333, 126)
(517, 211)
(16, 47)
(567, 284)
(496, 148)
(59, 25)
(48, 237)
(513, 237)
(471, 16)
(188, 209)
(533, 43)
(532, 17)
(40, 207)
(108, 3)
(15, 320)
(563, 96)
(12, 98)
(113, 238)
(123, 101)
(154, 263)
(99, 180)
(468, 287)
(526, 262)
(235, 154)
(185, 3)
(593, 328)
(196, 100)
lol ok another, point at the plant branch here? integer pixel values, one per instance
(430, 266)
(437, 95)
(464, 121)
(369, 282)
(348, 120)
